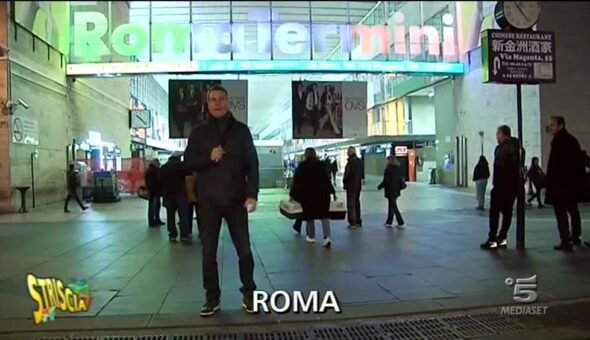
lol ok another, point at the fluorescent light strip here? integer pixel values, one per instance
(238, 66)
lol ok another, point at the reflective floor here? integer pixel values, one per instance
(139, 279)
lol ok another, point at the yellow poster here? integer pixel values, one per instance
(48, 20)
(473, 18)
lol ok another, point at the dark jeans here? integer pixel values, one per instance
(393, 210)
(194, 211)
(237, 222)
(501, 202)
(173, 205)
(536, 195)
(563, 225)
(154, 206)
(353, 205)
(297, 224)
(74, 195)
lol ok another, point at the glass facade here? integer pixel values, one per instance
(264, 30)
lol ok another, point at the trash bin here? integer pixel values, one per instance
(23, 199)
(432, 176)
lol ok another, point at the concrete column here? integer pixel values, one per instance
(5, 133)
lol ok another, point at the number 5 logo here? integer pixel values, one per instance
(525, 290)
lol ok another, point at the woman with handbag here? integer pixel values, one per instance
(393, 183)
(312, 189)
(539, 180)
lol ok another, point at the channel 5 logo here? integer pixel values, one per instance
(525, 290)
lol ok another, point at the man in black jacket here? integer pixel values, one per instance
(175, 197)
(353, 184)
(565, 178)
(222, 153)
(153, 183)
(73, 182)
(505, 187)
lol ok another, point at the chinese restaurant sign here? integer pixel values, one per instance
(518, 57)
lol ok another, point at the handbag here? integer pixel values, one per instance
(291, 209)
(143, 192)
(402, 184)
(337, 210)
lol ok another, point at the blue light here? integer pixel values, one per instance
(330, 66)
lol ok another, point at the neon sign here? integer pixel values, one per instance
(91, 41)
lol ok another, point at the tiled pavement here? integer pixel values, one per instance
(139, 279)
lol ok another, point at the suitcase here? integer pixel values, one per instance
(292, 210)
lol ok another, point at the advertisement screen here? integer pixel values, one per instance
(188, 103)
(329, 110)
(46, 19)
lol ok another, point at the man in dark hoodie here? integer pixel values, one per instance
(175, 197)
(565, 175)
(223, 155)
(505, 187)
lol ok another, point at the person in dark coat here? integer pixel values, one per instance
(312, 189)
(392, 183)
(565, 175)
(505, 187)
(481, 174)
(175, 196)
(334, 170)
(538, 179)
(353, 184)
(223, 155)
(153, 183)
(73, 183)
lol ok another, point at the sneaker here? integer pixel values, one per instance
(386, 225)
(503, 243)
(400, 226)
(577, 242)
(309, 239)
(327, 242)
(248, 305)
(489, 245)
(566, 247)
(172, 239)
(210, 308)
(185, 239)
(351, 227)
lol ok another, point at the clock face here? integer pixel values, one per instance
(522, 14)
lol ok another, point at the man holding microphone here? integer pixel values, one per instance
(222, 154)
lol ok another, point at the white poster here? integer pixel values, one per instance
(354, 96)
(188, 103)
(329, 110)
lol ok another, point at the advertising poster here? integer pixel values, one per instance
(46, 19)
(474, 17)
(328, 110)
(188, 103)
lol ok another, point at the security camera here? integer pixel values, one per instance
(23, 103)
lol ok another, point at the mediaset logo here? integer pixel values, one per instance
(52, 294)
(525, 291)
(296, 302)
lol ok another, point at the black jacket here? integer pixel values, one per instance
(173, 178)
(153, 180)
(73, 181)
(392, 180)
(482, 170)
(235, 178)
(354, 174)
(312, 189)
(506, 166)
(566, 173)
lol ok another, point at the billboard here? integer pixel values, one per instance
(47, 20)
(329, 110)
(188, 103)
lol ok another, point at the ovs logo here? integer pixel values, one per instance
(355, 104)
(238, 104)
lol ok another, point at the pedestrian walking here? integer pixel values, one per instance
(393, 184)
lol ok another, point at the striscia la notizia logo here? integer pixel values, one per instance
(51, 294)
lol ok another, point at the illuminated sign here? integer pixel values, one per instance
(267, 66)
(94, 38)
